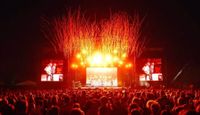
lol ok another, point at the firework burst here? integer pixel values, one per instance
(111, 40)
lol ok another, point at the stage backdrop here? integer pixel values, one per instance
(96, 76)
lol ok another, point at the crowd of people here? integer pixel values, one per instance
(99, 101)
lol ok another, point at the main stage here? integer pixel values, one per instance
(102, 88)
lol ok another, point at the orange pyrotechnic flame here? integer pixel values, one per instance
(105, 43)
(98, 59)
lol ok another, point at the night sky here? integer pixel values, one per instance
(172, 25)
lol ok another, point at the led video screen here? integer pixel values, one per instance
(52, 71)
(150, 70)
(101, 76)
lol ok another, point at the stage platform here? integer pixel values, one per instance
(91, 88)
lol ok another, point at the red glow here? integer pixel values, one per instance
(99, 59)
(114, 38)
